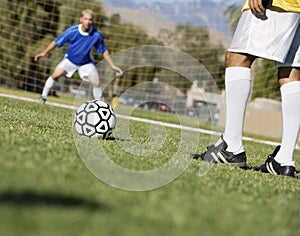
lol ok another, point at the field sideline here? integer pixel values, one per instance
(45, 188)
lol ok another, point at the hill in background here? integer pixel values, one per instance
(195, 12)
(154, 16)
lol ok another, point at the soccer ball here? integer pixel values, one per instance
(95, 119)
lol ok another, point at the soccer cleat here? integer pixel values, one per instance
(218, 154)
(42, 100)
(273, 167)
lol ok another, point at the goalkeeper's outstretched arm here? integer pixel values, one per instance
(49, 48)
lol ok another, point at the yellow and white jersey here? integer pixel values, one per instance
(281, 5)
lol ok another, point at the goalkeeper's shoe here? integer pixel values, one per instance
(218, 154)
(273, 167)
(42, 100)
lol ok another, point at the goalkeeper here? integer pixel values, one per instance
(81, 39)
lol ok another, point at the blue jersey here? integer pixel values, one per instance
(81, 44)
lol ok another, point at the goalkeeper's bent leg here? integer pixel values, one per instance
(48, 85)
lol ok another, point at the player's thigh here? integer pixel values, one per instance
(58, 72)
(89, 72)
(65, 67)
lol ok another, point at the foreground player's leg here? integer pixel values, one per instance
(290, 94)
(229, 149)
(237, 87)
(281, 162)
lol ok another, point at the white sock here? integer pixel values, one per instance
(290, 96)
(97, 93)
(237, 88)
(48, 85)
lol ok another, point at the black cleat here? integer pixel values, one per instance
(218, 154)
(42, 100)
(273, 167)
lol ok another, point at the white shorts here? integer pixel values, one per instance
(275, 37)
(85, 71)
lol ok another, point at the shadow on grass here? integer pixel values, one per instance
(31, 199)
(111, 138)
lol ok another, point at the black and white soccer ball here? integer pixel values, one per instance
(95, 119)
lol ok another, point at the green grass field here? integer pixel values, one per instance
(46, 189)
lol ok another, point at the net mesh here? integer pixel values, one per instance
(27, 27)
(201, 29)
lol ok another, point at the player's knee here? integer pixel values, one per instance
(57, 73)
(94, 80)
(288, 74)
(232, 59)
(237, 59)
(96, 84)
(54, 76)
